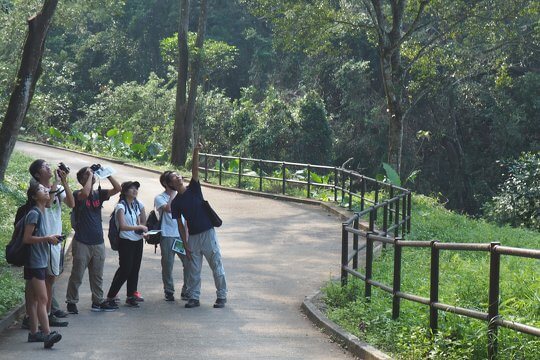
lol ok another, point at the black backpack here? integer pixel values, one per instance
(17, 252)
(152, 223)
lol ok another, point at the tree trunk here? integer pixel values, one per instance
(179, 143)
(27, 77)
(185, 106)
(195, 70)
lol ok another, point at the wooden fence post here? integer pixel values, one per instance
(434, 288)
(396, 286)
(493, 306)
(344, 253)
(220, 168)
(309, 181)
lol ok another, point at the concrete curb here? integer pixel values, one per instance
(350, 342)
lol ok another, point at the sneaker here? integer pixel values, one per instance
(184, 296)
(60, 314)
(169, 297)
(104, 306)
(192, 303)
(138, 297)
(51, 339)
(72, 308)
(132, 301)
(220, 303)
(54, 321)
(25, 323)
(112, 303)
(37, 337)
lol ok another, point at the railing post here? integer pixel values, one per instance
(434, 288)
(396, 286)
(309, 181)
(344, 253)
(342, 186)
(283, 172)
(409, 206)
(350, 192)
(239, 172)
(376, 196)
(362, 193)
(369, 257)
(493, 306)
(260, 174)
(385, 218)
(335, 183)
(355, 243)
(404, 216)
(391, 197)
(206, 168)
(396, 218)
(220, 168)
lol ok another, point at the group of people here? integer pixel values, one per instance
(182, 216)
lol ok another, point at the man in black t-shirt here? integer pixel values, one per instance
(88, 247)
(201, 240)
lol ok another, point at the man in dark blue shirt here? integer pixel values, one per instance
(200, 238)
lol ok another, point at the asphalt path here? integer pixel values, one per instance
(274, 254)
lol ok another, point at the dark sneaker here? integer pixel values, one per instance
(113, 304)
(51, 339)
(25, 323)
(192, 303)
(184, 296)
(37, 337)
(72, 308)
(60, 314)
(169, 297)
(104, 306)
(54, 321)
(138, 297)
(132, 301)
(220, 303)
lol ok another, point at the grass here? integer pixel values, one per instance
(463, 282)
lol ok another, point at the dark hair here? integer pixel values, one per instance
(33, 189)
(35, 166)
(164, 178)
(80, 174)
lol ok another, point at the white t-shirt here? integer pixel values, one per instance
(169, 226)
(130, 216)
(53, 215)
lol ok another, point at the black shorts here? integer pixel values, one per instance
(39, 274)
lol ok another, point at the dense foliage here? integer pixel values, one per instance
(518, 200)
(302, 87)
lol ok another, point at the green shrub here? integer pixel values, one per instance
(518, 201)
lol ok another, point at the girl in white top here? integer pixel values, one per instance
(130, 217)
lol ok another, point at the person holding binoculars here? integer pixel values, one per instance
(88, 247)
(59, 192)
(35, 267)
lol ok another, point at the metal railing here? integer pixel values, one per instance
(353, 189)
(371, 236)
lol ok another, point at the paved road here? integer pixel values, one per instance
(274, 254)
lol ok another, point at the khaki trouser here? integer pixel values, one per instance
(205, 244)
(93, 258)
(167, 264)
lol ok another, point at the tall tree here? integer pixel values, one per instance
(25, 83)
(185, 98)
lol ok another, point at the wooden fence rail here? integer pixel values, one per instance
(495, 251)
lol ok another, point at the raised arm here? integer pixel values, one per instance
(70, 200)
(87, 187)
(195, 162)
(116, 186)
